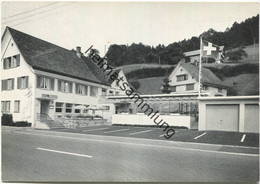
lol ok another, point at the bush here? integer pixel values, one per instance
(7, 119)
(231, 71)
(22, 124)
(135, 84)
(149, 72)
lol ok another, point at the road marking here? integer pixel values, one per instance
(162, 135)
(94, 129)
(64, 152)
(128, 138)
(140, 132)
(147, 145)
(243, 138)
(200, 135)
(116, 130)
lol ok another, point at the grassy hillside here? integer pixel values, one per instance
(130, 68)
(252, 52)
(243, 79)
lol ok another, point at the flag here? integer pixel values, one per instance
(211, 50)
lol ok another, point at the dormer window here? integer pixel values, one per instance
(182, 77)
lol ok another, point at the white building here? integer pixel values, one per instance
(43, 80)
(185, 79)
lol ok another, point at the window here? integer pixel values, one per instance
(16, 60)
(8, 84)
(93, 91)
(111, 93)
(7, 62)
(16, 106)
(220, 90)
(65, 86)
(173, 88)
(182, 77)
(5, 106)
(81, 89)
(68, 108)
(189, 87)
(59, 107)
(22, 82)
(106, 107)
(44, 82)
(205, 87)
(104, 92)
(11, 62)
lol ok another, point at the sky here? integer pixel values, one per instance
(71, 24)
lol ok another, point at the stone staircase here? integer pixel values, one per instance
(46, 119)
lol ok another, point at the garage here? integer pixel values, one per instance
(252, 118)
(222, 117)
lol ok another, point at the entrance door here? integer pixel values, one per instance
(44, 107)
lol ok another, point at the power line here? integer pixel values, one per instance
(28, 11)
(37, 13)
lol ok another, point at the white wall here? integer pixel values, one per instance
(143, 119)
(181, 71)
(181, 85)
(25, 96)
(241, 101)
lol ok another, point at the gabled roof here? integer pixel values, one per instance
(45, 56)
(207, 78)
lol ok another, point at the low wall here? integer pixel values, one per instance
(142, 119)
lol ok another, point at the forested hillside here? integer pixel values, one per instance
(239, 34)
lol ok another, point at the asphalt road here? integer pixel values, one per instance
(58, 156)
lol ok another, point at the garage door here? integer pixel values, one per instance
(252, 118)
(222, 117)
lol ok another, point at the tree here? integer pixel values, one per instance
(236, 55)
(166, 86)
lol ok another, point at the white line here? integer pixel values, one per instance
(200, 135)
(243, 138)
(64, 152)
(150, 145)
(116, 130)
(132, 138)
(140, 132)
(94, 129)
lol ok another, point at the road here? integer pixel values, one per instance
(31, 155)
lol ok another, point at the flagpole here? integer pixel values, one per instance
(200, 61)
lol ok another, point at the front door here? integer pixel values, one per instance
(44, 107)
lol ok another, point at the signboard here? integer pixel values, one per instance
(49, 97)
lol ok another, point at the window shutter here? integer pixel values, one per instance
(26, 82)
(52, 84)
(12, 83)
(38, 81)
(4, 85)
(70, 87)
(59, 85)
(4, 63)
(19, 83)
(18, 60)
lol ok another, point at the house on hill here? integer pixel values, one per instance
(185, 79)
(41, 81)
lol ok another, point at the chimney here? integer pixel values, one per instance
(78, 51)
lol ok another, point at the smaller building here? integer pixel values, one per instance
(194, 56)
(185, 79)
(236, 114)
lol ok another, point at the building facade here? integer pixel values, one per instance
(40, 79)
(185, 79)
